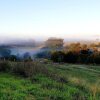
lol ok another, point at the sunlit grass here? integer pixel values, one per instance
(16, 88)
(80, 83)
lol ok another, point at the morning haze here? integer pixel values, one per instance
(49, 49)
(40, 19)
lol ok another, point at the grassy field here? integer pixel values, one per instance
(78, 82)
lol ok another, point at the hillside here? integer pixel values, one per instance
(73, 82)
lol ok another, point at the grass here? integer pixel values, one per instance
(16, 88)
(86, 76)
(82, 83)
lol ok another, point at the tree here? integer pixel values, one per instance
(13, 57)
(27, 56)
(54, 43)
(71, 57)
(58, 56)
(5, 52)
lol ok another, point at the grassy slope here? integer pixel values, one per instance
(84, 76)
(85, 72)
(83, 84)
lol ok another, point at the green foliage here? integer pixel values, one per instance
(29, 68)
(5, 66)
(57, 56)
(71, 57)
(43, 54)
(50, 82)
(97, 58)
(16, 88)
(26, 69)
(13, 58)
(76, 57)
(4, 52)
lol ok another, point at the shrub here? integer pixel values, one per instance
(28, 69)
(27, 57)
(58, 56)
(13, 58)
(18, 68)
(43, 54)
(83, 58)
(71, 57)
(5, 52)
(97, 58)
(4, 66)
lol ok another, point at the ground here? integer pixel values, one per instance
(82, 83)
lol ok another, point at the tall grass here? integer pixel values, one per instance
(63, 82)
(26, 69)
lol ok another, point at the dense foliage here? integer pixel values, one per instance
(73, 57)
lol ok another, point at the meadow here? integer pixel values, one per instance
(51, 81)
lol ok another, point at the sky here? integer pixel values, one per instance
(40, 19)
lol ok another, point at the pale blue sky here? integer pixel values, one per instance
(49, 18)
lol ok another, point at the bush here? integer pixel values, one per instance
(25, 69)
(43, 54)
(27, 57)
(71, 57)
(13, 58)
(58, 56)
(5, 52)
(4, 66)
(84, 57)
(28, 69)
(97, 58)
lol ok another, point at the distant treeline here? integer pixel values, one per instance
(73, 53)
(77, 53)
(72, 57)
(6, 54)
